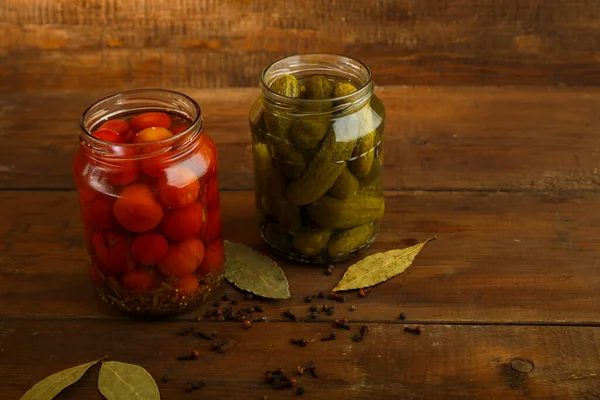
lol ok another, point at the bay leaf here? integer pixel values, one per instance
(52, 385)
(122, 381)
(379, 267)
(251, 271)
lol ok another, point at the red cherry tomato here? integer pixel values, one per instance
(149, 120)
(119, 126)
(212, 228)
(112, 251)
(109, 135)
(214, 258)
(139, 281)
(149, 248)
(187, 285)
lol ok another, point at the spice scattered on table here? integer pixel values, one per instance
(204, 335)
(329, 271)
(249, 296)
(247, 324)
(220, 345)
(225, 297)
(258, 308)
(314, 315)
(340, 324)
(193, 385)
(331, 336)
(302, 342)
(314, 308)
(352, 308)
(288, 314)
(336, 297)
(165, 378)
(308, 299)
(321, 295)
(358, 337)
(363, 292)
(402, 316)
(234, 302)
(416, 331)
(185, 330)
(278, 380)
(191, 356)
(300, 391)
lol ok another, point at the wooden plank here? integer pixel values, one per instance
(466, 362)
(498, 258)
(70, 45)
(436, 138)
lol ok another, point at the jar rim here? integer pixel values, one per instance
(96, 142)
(320, 59)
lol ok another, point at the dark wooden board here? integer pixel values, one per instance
(498, 258)
(71, 45)
(450, 362)
(436, 138)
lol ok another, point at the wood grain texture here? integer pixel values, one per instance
(450, 362)
(498, 258)
(85, 44)
(436, 138)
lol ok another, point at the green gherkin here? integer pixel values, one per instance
(322, 171)
(345, 185)
(308, 133)
(318, 87)
(286, 85)
(331, 213)
(351, 239)
(275, 203)
(311, 243)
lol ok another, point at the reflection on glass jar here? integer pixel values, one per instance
(146, 177)
(317, 139)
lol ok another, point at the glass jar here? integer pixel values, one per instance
(146, 177)
(317, 140)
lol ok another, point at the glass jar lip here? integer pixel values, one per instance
(95, 141)
(366, 88)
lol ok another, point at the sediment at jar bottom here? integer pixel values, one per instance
(331, 213)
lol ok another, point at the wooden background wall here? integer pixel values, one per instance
(74, 45)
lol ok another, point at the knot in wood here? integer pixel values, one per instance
(520, 365)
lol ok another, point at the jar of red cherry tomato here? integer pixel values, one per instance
(146, 177)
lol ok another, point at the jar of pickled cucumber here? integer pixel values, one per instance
(146, 177)
(317, 140)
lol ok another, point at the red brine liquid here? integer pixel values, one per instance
(150, 208)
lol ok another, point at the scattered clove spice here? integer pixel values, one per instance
(247, 324)
(191, 356)
(249, 296)
(314, 308)
(300, 391)
(330, 337)
(258, 308)
(358, 337)
(194, 385)
(308, 299)
(204, 335)
(329, 271)
(234, 302)
(321, 295)
(302, 342)
(402, 316)
(363, 292)
(310, 368)
(283, 383)
(219, 345)
(225, 297)
(336, 297)
(196, 319)
(416, 331)
(353, 308)
(314, 315)
(342, 325)
(185, 330)
(165, 378)
(288, 314)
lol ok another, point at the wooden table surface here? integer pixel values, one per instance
(505, 176)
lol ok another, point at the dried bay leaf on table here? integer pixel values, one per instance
(251, 271)
(379, 267)
(122, 381)
(52, 385)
